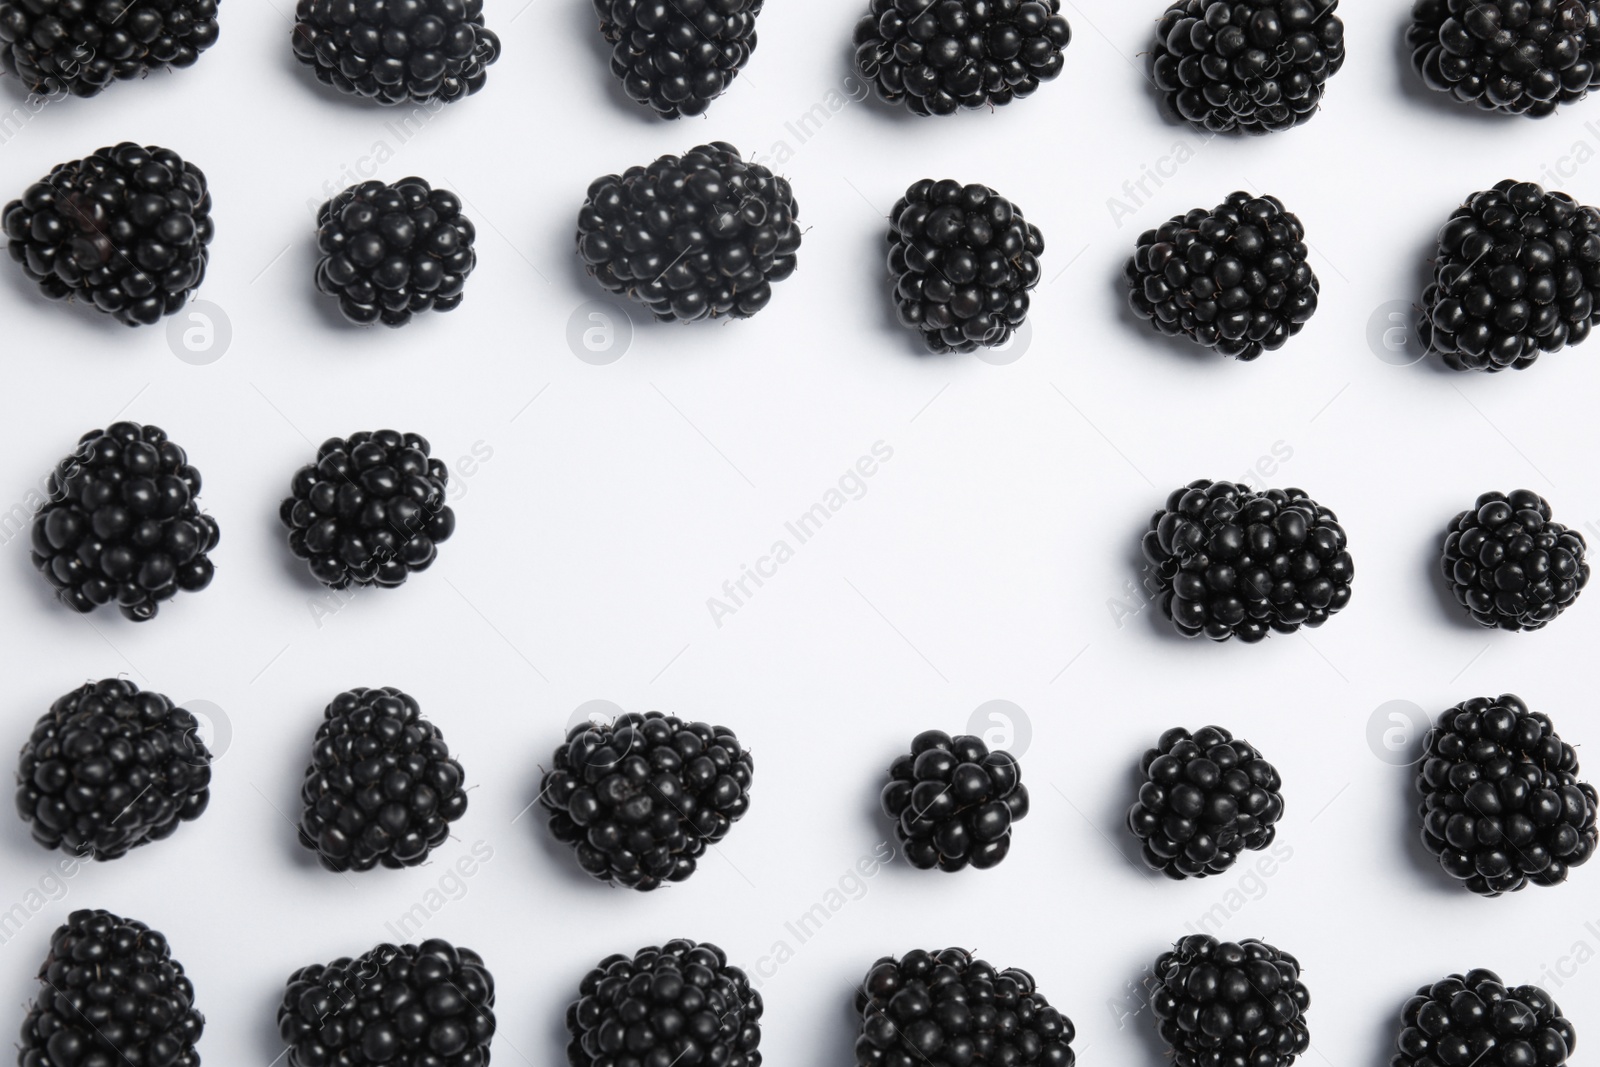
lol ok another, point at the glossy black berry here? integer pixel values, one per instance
(1509, 565)
(676, 56)
(370, 511)
(382, 787)
(427, 1005)
(110, 993)
(1517, 274)
(1230, 1004)
(123, 524)
(1246, 66)
(395, 51)
(389, 252)
(953, 801)
(1232, 561)
(1476, 1018)
(1520, 57)
(1235, 278)
(1502, 806)
(81, 46)
(639, 799)
(126, 229)
(961, 261)
(704, 235)
(1205, 797)
(937, 56)
(950, 1009)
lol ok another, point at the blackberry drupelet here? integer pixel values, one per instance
(961, 259)
(111, 993)
(1476, 1018)
(123, 523)
(427, 1005)
(1235, 278)
(125, 228)
(1205, 798)
(370, 511)
(704, 235)
(79, 47)
(109, 768)
(640, 799)
(949, 1008)
(1228, 1004)
(938, 56)
(1517, 274)
(954, 802)
(396, 51)
(676, 56)
(381, 787)
(389, 252)
(1509, 565)
(1246, 66)
(1233, 562)
(680, 1002)
(1520, 57)
(1501, 802)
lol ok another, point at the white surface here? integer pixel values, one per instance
(979, 563)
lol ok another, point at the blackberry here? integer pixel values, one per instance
(1205, 798)
(961, 259)
(1509, 565)
(74, 47)
(680, 1002)
(110, 993)
(1230, 561)
(123, 523)
(676, 56)
(1475, 1018)
(395, 51)
(370, 511)
(950, 1008)
(125, 228)
(388, 252)
(704, 235)
(109, 768)
(954, 802)
(409, 1005)
(1517, 274)
(1501, 802)
(381, 787)
(1246, 66)
(639, 799)
(1235, 278)
(937, 56)
(1227, 1004)
(1520, 57)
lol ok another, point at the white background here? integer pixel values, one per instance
(983, 561)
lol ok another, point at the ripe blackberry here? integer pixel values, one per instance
(676, 56)
(679, 1002)
(381, 787)
(1520, 57)
(1234, 562)
(1501, 802)
(1227, 1004)
(412, 1005)
(1235, 278)
(937, 56)
(126, 228)
(951, 1008)
(110, 993)
(1247, 66)
(370, 511)
(953, 801)
(394, 51)
(1509, 565)
(71, 46)
(691, 237)
(1475, 1018)
(1518, 273)
(1205, 798)
(641, 798)
(962, 259)
(123, 523)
